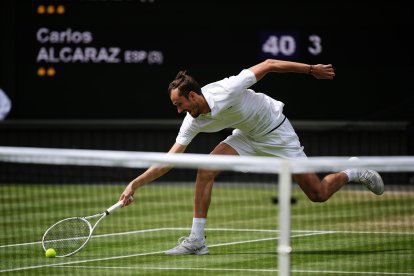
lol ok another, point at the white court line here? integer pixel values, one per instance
(138, 254)
(102, 235)
(239, 269)
(174, 268)
(306, 233)
(79, 262)
(223, 229)
(163, 229)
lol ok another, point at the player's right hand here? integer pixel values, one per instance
(127, 197)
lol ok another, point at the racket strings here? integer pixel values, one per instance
(67, 236)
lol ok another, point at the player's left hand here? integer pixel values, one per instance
(323, 71)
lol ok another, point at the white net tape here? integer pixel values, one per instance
(129, 159)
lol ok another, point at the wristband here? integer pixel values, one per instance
(310, 69)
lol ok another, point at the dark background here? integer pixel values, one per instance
(366, 110)
(368, 42)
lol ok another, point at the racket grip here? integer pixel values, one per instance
(116, 206)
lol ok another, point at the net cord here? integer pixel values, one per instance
(253, 164)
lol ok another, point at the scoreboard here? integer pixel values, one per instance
(114, 59)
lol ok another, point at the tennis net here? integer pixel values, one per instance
(259, 221)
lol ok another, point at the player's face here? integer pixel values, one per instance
(183, 104)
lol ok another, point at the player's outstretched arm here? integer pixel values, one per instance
(319, 71)
(148, 176)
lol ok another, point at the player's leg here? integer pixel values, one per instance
(195, 243)
(284, 142)
(320, 190)
(204, 183)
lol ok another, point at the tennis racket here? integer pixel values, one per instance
(68, 236)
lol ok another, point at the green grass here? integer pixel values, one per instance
(354, 233)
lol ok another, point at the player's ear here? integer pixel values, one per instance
(192, 95)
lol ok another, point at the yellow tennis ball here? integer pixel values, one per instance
(50, 253)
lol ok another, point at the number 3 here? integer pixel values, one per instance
(316, 45)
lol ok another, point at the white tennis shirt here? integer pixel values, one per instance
(233, 105)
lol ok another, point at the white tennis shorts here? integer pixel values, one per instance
(282, 142)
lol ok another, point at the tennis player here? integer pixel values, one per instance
(260, 128)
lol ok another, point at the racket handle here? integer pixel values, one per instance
(116, 206)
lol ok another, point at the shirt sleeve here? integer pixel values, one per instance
(243, 80)
(188, 131)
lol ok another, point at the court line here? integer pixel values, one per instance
(305, 233)
(173, 268)
(223, 229)
(239, 269)
(138, 254)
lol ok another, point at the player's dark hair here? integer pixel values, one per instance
(185, 84)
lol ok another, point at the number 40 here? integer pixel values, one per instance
(286, 45)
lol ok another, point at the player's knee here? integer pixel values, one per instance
(318, 196)
(207, 174)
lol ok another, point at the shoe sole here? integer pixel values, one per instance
(202, 251)
(189, 253)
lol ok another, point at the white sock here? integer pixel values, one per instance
(198, 227)
(352, 175)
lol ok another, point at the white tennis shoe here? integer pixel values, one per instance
(189, 245)
(370, 178)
